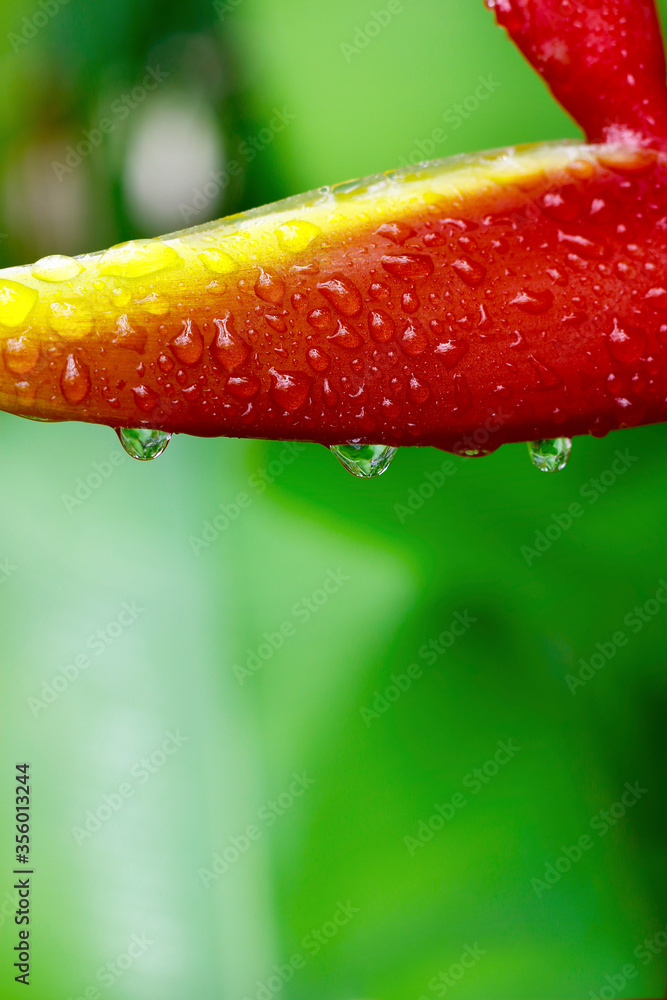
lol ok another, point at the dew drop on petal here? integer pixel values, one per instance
(320, 319)
(380, 326)
(408, 266)
(138, 258)
(469, 271)
(451, 351)
(75, 380)
(345, 336)
(550, 456)
(20, 355)
(143, 443)
(16, 302)
(417, 391)
(228, 348)
(276, 323)
(342, 294)
(57, 268)
(534, 302)
(397, 232)
(318, 360)
(188, 345)
(295, 236)
(365, 461)
(145, 398)
(625, 343)
(289, 389)
(329, 393)
(243, 386)
(413, 339)
(270, 288)
(218, 262)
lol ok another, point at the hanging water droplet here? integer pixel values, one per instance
(366, 461)
(550, 456)
(143, 443)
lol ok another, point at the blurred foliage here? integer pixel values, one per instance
(81, 541)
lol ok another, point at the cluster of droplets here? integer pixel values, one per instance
(365, 461)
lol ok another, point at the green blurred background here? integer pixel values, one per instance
(209, 860)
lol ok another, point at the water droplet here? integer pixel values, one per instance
(366, 461)
(345, 336)
(379, 291)
(342, 294)
(550, 456)
(143, 443)
(320, 319)
(218, 261)
(397, 232)
(57, 268)
(300, 301)
(138, 258)
(129, 337)
(289, 389)
(626, 343)
(20, 355)
(276, 323)
(16, 302)
(563, 205)
(165, 363)
(413, 340)
(417, 391)
(582, 246)
(188, 345)
(380, 326)
(145, 398)
(451, 351)
(408, 266)
(469, 271)
(534, 302)
(75, 380)
(269, 288)
(155, 304)
(462, 394)
(547, 376)
(410, 302)
(297, 235)
(628, 161)
(329, 393)
(318, 360)
(228, 349)
(243, 387)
